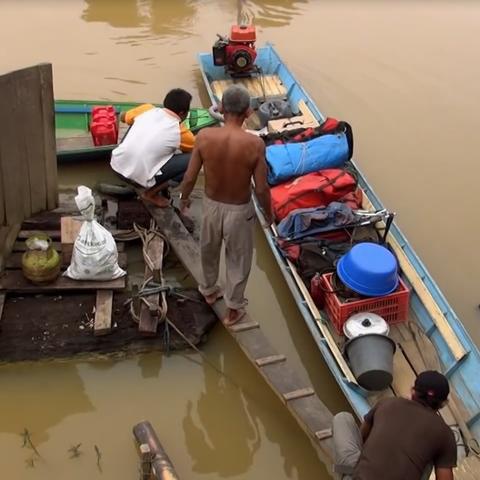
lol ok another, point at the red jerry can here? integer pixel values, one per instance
(103, 133)
(104, 128)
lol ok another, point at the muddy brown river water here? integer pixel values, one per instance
(404, 74)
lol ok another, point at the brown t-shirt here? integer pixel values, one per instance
(405, 438)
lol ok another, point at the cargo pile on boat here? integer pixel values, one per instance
(338, 248)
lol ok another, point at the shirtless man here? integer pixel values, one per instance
(230, 158)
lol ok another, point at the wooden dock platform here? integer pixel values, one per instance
(298, 397)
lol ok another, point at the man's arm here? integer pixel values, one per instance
(190, 177)
(262, 189)
(187, 139)
(129, 116)
(443, 474)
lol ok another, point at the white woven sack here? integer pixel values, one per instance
(95, 255)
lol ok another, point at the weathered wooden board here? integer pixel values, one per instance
(14, 281)
(265, 85)
(69, 229)
(48, 124)
(2, 304)
(78, 142)
(27, 136)
(149, 319)
(15, 179)
(103, 312)
(19, 246)
(7, 241)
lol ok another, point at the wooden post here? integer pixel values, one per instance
(162, 466)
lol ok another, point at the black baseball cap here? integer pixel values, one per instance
(433, 384)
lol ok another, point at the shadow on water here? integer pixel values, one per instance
(26, 388)
(230, 449)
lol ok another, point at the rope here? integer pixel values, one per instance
(146, 236)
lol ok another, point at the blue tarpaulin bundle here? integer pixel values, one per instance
(295, 159)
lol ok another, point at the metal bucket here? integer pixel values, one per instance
(371, 359)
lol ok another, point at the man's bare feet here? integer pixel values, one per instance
(213, 297)
(155, 199)
(233, 316)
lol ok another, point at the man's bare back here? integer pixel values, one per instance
(230, 157)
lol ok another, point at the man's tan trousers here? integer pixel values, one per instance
(232, 224)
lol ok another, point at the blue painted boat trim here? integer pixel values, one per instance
(463, 374)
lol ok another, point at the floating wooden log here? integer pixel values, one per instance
(162, 467)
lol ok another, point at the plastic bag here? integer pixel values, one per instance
(94, 255)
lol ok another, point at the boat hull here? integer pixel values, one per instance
(72, 120)
(458, 356)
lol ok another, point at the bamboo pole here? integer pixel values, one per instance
(162, 467)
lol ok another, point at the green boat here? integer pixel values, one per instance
(72, 120)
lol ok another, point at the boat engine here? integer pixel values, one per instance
(236, 53)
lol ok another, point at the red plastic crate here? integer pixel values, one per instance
(393, 307)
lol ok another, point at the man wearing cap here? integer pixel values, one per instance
(399, 439)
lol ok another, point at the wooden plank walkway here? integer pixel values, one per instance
(298, 396)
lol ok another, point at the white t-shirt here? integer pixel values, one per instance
(150, 144)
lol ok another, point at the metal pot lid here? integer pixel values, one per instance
(364, 323)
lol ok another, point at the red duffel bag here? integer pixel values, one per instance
(315, 190)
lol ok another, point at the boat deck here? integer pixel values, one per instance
(83, 141)
(261, 86)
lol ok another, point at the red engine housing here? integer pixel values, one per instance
(236, 53)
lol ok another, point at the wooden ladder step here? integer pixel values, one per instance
(263, 361)
(243, 326)
(324, 434)
(300, 393)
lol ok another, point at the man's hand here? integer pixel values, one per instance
(185, 205)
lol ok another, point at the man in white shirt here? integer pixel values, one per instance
(151, 153)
